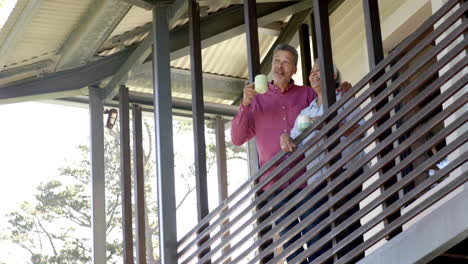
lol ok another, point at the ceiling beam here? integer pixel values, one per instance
(137, 57)
(36, 68)
(62, 83)
(69, 82)
(141, 4)
(180, 106)
(95, 26)
(214, 86)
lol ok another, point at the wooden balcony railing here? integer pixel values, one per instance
(425, 94)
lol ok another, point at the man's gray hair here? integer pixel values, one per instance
(289, 48)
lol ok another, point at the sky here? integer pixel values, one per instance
(35, 140)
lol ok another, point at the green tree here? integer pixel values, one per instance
(56, 226)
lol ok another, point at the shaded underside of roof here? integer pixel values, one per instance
(46, 38)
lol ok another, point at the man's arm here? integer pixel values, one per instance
(243, 126)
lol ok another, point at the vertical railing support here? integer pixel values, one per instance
(324, 50)
(198, 116)
(373, 32)
(125, 175)
(139, 185)
(98, 205)
(306, 59)
(250, 17)
(313, 36)
(221, 163)
(163, 133)
(253, 51)
(198, 112)
(375, 55)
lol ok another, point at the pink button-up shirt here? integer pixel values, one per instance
(266, 118)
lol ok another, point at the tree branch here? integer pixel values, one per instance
(185, 197)
(109, 226)
(51, 242)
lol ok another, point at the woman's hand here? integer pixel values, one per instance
(286, 143)
(344, 87)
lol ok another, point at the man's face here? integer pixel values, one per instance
(283, 67)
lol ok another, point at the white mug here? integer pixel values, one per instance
(261, 83)
(304, 122)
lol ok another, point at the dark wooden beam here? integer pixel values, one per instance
(198, 109)
(324, 49)
(221, 161)
(250, 17)
(373, 32)
(221, 164)
(125, 176)
(306, 59)
(139, 185)
(198, 114)
(375, 55)
(313, 35)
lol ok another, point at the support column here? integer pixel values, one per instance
(163, 133)
(125, 175)
(306, 59)
(324, 50)
(198, 114)
(253, 52)
(98, 205)
(328, 84)
(250, 17)
(198, 110)
(313, 35)
(375, 55)
(221, 163)
(373, 32)
(139, 185)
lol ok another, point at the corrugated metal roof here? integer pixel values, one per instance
(12, 19)
(52, 23)
(228, 57)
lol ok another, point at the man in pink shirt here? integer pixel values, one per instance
(267, 116)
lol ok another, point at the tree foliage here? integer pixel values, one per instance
(55, 227)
